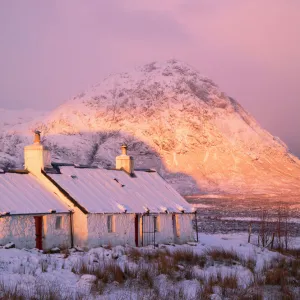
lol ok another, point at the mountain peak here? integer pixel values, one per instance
(173, 64)
(173, 119)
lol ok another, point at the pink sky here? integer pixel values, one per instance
(50, 50)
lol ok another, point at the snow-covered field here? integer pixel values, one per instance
(218, 267)
(234, 213)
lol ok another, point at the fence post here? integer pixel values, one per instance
(249, 232)
(196, 226)
(154, 229)
(272, 241)
(142, 230)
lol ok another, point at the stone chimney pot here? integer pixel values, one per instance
(37, 137)
(124, 149)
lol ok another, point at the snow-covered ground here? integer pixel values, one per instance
(219, 266)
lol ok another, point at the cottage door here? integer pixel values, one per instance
(136, 230)
(39, 232)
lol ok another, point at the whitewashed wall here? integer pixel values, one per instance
(20, 230)
(165, 229)
(80, 228)
(124, 232)
(90, 230)
(166, 233)
(56, 237)
(185, 228)
(98, 233)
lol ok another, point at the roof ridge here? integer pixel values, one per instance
(16, 171)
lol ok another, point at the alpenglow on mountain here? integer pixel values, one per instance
(173, 119)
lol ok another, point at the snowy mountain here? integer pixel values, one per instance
(172, 119)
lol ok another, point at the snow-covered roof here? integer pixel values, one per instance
(23, 194)
(114, 191)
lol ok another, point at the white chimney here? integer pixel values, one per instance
(36, 156)
(125, 161)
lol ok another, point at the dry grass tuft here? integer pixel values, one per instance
(224, 256)
(249, 263)
(65, 252)
(146, 276)
(229, 282)
(108, 272)
(134, 254)
(290, 252)
(189, 257)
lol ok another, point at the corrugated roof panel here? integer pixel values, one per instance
(108, 191)
(23, 194)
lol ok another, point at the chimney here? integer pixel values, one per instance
(125, 161)
(36, 156)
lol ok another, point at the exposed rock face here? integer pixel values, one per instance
(172, 119)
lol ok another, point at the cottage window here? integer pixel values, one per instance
(58, 223)
(110, 224)
(157, 224)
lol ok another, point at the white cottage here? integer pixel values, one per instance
(109, 206)
(31, 216)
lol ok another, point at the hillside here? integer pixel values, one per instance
(173, 119)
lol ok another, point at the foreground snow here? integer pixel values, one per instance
(77, 275)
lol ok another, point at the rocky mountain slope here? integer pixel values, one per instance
(173, 119)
